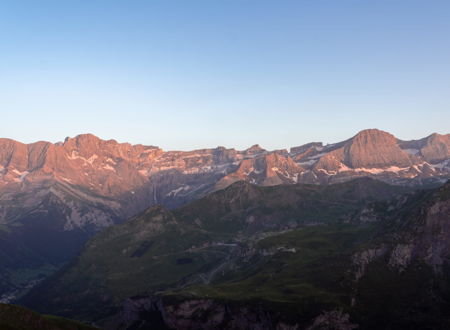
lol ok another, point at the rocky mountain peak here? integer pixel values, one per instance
(437, 147)
(86, 143)
(254, 149)
(374, 135)
(317, 146)
(374, 148)
(82, 139)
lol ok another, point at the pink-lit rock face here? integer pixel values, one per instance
(124, 178)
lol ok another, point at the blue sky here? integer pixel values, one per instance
(190, 74)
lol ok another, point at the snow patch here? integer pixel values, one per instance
(394, 169)
(411, 151)
(21, 175)
(250, 170)
(343, 168)
(441, 165)
(143, 172)
(174, 192)
(91, 159)
(374, 170)
(327, 172)
(317, 156)
(66, 179)
(148, 151)
(109, 168)
(308, 163)
(195, 156)
(74, 155)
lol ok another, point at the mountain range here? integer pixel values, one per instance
(54, 197)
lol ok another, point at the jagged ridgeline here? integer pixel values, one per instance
(358, 253)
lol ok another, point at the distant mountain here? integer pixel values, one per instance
(136, 176)
(55, 196)
(379, 154)
(124, 178)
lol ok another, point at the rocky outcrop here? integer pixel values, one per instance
(434, 148)
(143, 312)
(367, 150)
(421, 235)
(374, 149)
(336, 320)
(437, 148)
(269, 169)
(379, 154)
(362, 259)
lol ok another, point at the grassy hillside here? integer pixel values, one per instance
(18, 318)
(231, 244)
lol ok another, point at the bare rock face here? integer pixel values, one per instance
(331, 162)
(145, 312)
(336, 320)
(306, 149)
(374, 148)
(368, 149)
(423, 236)
(379, 154)
(437, 148)
(254, 150)
(363, 258)
(269, 169)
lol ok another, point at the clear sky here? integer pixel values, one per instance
(190, 74)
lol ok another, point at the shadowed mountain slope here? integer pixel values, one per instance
(282, 254)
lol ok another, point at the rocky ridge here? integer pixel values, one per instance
(128, 178)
